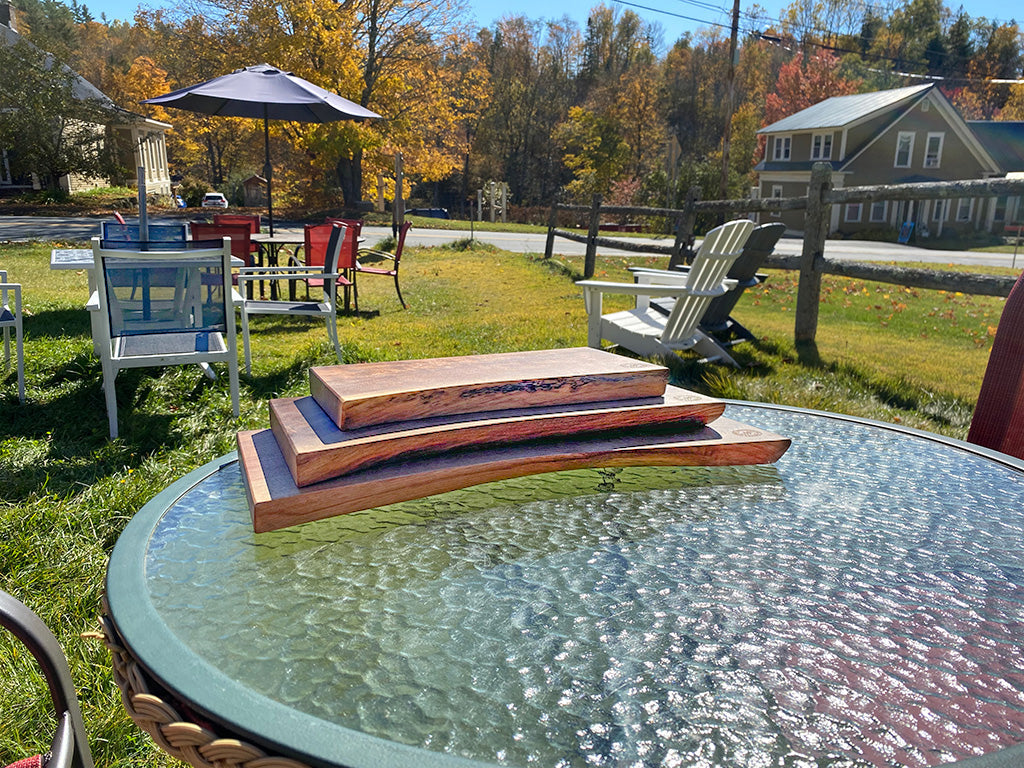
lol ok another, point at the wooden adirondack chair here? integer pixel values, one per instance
(646, 331)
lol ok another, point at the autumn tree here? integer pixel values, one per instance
(999, 58)
(594, 151)
(804, 82)
(532, 72)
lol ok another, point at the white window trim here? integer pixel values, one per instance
(776, 195)
(997, 202)
(848, 213)
(824, 138)
(780, 142)
(960, 206)
(885, 212)
(940, 210)
(941, 136)
(910, 151)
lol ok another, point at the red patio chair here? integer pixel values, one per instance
(240, 234)
(998, 421)
(252, 220)
(317, 237)
(395, 259)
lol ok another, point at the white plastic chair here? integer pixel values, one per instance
(10, 317)
(161, 308)
(326, 308)
(648, 332)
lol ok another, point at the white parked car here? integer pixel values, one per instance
(214, 200)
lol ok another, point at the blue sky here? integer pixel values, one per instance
(675, 16)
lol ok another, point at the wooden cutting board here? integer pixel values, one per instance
(315, 449)
(367, 394)
(276, 502)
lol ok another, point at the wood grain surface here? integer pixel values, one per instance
(367, 394)
(275, 501)
(315, 449)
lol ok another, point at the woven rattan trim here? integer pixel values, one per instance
(195, 744)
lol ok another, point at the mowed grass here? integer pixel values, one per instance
(66, 491)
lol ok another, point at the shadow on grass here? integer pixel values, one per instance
(558, 267)
(62, 444)
(58, 323)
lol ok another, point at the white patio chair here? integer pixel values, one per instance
(161, 308)
(326, 308)
(648, 332)
(10, 317)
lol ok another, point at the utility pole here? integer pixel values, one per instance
(730, 97)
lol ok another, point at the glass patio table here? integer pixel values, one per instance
(859, 603)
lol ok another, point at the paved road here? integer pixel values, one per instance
(82, 228)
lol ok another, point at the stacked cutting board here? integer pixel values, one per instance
(380, 433)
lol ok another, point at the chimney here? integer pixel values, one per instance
(7, 15)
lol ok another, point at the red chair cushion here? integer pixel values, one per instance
(998, 421)
(36, 761)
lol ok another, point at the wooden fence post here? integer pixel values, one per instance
(812, 259)
(590, 262)
(682, 248)
(549, 246)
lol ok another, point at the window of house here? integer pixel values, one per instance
(964, 208)
(933, 150)
(999, 212)
(939, 211)
(879, 210)
(783, 145)
(853, 212)
(5, 168)
(776, 195)
(821, 146)
(904, 149)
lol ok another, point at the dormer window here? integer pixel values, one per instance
(821, 146)
(783, 147)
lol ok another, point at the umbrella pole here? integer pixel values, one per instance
(267, 170)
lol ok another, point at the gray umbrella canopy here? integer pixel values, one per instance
(266, 92)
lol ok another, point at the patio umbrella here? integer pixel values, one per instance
(264, 91)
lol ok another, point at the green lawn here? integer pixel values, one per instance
(66, 491)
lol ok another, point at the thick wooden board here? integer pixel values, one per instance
(276, 502)
(366, 394)
(316, 450)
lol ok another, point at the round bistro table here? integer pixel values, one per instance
(859, 603)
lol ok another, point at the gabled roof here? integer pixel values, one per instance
(1004, 140)
(840, 111)
(82, 89)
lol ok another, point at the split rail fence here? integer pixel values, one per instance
(811, 264)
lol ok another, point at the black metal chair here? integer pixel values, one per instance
(70, 746)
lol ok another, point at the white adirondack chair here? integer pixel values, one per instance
(646, 331)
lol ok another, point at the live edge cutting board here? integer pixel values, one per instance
(356, 396)
(316, 450)
(276, 502)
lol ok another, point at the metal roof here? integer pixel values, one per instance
(838, 111)
(1004, 140)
